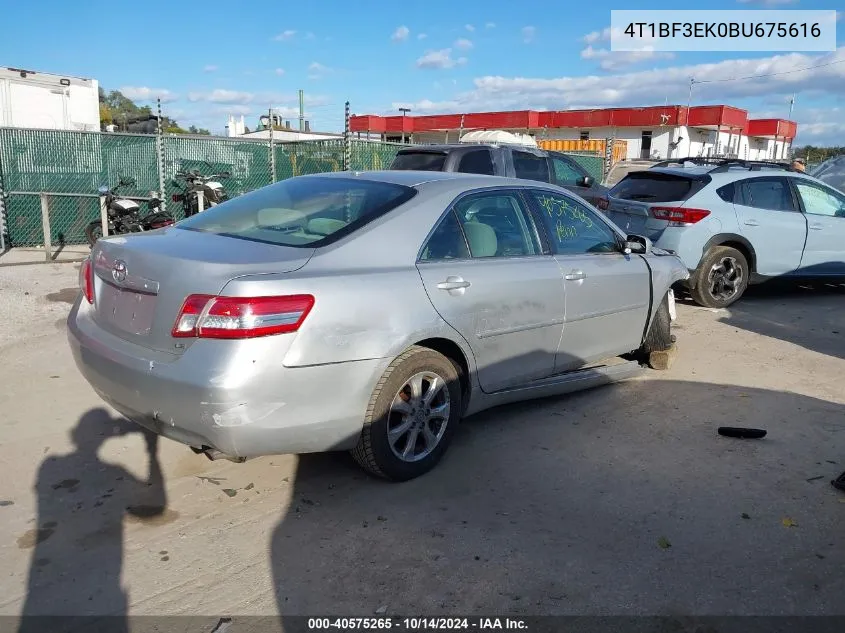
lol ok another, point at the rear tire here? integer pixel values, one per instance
(721, 277)
(412, 416)
(93, 232)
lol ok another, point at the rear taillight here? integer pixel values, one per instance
(86, 280)
(603, 204)
(679, 216)
(206, 316)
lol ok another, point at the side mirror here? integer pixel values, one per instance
(102, 190)
(637, 244)
(585, 181)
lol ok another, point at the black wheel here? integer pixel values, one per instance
(721, 278)
(412, 415)
(93, 232)
(659, 336)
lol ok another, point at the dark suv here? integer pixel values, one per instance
(514, 161)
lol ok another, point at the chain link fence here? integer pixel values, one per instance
(56, 162)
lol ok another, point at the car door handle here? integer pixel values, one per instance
(752, 223)
(575, 274)
(816, 227)
(453, 283)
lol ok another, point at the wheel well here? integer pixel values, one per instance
(745, 250)
(453, 352)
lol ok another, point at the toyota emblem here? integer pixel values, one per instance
(118, 271)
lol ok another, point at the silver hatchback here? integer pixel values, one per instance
(365, 312)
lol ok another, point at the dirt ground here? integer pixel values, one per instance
(620, 500)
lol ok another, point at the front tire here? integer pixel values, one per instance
(411, 417)
(659, 336)
(721, 277)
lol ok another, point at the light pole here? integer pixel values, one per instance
(404, 111)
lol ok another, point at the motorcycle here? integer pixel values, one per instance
(191, 183)
(124, 215)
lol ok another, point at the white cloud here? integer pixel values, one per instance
(143, 93)
(285, 36)
(220, 95)
(469, 27)
(615, 60)
(490, 25)
(400, 34)
(316, 70)
(652, 87)
(422, 36)
(595, 36)
(768, 3)
(279, 71)
(425, 105)
(210, 68)
(528, 33)
(463, 44)
(440, 59)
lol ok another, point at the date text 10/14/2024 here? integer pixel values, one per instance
(417, 623)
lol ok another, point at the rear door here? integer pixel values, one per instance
(607, 292)
(630, 201)
(487, 276)
(824, 207)
(769, 217)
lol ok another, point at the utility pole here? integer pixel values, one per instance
(404, 111)
(301, 111)
(689, 97)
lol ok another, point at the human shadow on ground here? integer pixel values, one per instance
(619, 500)
(78, 538)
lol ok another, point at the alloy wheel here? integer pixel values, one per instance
(418, 416)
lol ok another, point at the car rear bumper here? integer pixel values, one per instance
(206, 398)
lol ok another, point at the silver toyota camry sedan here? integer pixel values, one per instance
(365, 311)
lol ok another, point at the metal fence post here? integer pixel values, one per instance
(609, 144)
(347, 146)
(272, 151)
(45, 226)
(160, 152)
(104, 216)
(2, 216)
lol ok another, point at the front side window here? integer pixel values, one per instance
(565, 172)
(821, 200)
(308, 211)
(772, 194)
(530, 166)
(572, 227)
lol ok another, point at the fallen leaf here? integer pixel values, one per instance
(745, 515)
(249, 486)
(664, 543)
(787, 522)
(229, 492)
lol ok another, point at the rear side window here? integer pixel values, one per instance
(419, 161)
(648, 186)
(773, 194)
(308, 211)
(478, 161)
(531, 167)
(726, 193)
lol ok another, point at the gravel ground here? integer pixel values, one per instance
(620, 500)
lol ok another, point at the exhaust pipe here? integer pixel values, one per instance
(213, 454)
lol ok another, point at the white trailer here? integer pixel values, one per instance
(30, 99)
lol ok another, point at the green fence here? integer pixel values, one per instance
(55, 162)
(65, 162)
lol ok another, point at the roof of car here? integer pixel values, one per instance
(451, 147)
(411, 178)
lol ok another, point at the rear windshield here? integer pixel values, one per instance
(419, 161)
(648, 186)
(309, 211)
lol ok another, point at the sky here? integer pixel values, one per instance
(212, 59)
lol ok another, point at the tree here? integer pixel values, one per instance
(815, 154)
(117, 108)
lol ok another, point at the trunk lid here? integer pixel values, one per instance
(142, 280)
(629, 202)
